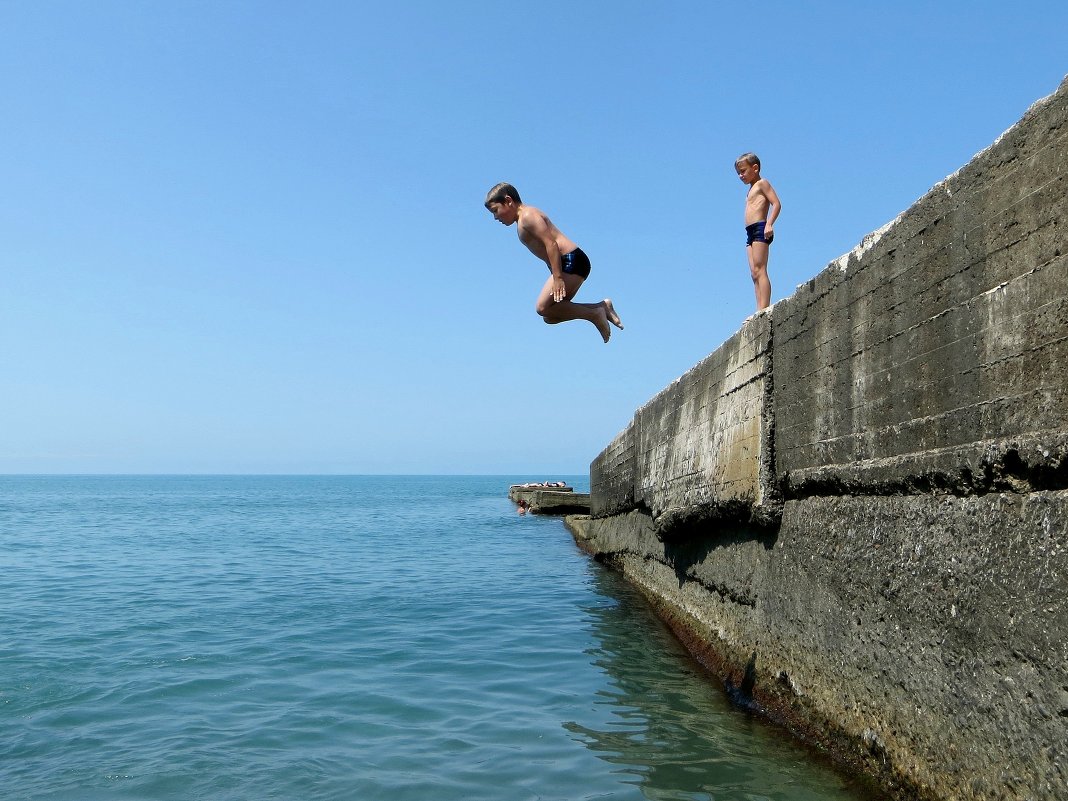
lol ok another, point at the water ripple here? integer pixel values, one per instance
(344, 638)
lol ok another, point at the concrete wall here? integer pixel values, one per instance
(856, 509)
(701, 448)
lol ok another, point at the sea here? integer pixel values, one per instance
(348, 638)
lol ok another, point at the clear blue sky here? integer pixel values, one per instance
(248, 237)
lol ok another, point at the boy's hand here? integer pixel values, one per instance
(559, 289)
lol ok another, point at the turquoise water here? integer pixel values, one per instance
(321, 638)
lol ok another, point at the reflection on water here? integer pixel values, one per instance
(666, 722)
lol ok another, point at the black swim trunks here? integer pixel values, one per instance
(755, 233)
(576, 263)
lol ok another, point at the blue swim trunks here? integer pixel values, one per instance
(576, 263)
(755, 233)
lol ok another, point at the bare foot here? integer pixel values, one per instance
(610, 313)
(601, 321)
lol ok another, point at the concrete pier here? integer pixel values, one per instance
(855, 510)
(551, 500)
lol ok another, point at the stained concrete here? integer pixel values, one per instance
(855, 509)
(551, 502)
(701, 448)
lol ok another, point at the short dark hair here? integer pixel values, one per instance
(500, 192)
(748, 158)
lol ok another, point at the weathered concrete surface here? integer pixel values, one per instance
(934, 355)
(855, 510)
(553, 501)
(937, 668)
(700, 450)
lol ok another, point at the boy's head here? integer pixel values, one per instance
(747, 158)
(748, 167)
(500, 192)
(503, 202)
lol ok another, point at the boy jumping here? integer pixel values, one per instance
(762, 208)
(566, 261)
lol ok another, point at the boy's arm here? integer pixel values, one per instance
(534, 227)
(774, 205)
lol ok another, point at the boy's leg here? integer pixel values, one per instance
(554, 312)
(758, 269)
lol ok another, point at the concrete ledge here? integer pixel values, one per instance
(556, 501)
(1027, 463)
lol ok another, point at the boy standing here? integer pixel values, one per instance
(762, 207)
(566, 261)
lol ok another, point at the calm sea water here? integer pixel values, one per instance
(357, 638)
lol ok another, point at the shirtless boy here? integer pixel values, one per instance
(566, 261)
(762, 208)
